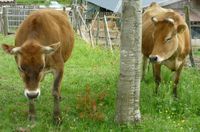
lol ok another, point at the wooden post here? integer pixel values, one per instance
(1, 24)
(108, 40)
(98, 28)
(74, 18)
(95, 18)
(91, 37)
(64, 9)
(82, 19)
(187, 18)
(5, 21)
(79, 29)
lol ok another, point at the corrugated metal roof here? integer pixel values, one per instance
(116, 5)
(113, 5)
(146, 3)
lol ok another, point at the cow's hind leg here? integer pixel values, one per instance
(176, 80)
(56, 94)
(156, 74)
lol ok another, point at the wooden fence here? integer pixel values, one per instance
(98, 29)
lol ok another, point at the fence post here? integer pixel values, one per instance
(74, 17)
(1, 23)
(5, 21)
(98, 28)
(64, 9)
(108, 40)
(187, 19)
(91, 37)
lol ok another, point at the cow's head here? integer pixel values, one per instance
(30, 58)
(165, 38)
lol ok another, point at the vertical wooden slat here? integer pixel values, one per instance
(108, 40)
(98, 28)
(187, 18)
(5, 22)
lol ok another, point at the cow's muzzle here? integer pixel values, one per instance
(153, 58)
(32, 94)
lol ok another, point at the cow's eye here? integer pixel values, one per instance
(168, 39)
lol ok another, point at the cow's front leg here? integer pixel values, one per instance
(144, 65)
(56, 94)
(176, 80)
(31, 114)
(156, 74)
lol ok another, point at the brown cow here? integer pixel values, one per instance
(166, 41)
(43, 43)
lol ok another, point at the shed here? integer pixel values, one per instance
(115, 6)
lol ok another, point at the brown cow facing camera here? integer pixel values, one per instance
(166, 41)
(43, 43)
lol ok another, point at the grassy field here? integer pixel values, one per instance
(88, 92)
(30, 2)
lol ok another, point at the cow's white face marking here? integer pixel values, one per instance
(32, 92)
(160, 59)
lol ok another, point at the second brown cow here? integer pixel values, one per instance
(166, 41)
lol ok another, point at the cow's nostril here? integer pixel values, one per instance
(153, 58)
(32, 95)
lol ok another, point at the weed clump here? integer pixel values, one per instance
(90, 106)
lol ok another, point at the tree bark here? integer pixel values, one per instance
(128, 92)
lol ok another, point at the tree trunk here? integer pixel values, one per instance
(128, 92)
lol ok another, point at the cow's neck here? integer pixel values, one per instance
(175, 60)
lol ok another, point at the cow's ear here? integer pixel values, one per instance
(181, 28)
(154, 20)
(11, 49)
(51, 48)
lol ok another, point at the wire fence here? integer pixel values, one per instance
(13, 17)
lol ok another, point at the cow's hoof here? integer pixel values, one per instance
(57, 120)
(31, 117)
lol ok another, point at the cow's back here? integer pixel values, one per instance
(48, 27)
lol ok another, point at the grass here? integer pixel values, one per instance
(46, 2)
(91, 76)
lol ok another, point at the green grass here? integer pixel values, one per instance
(31, 2)
(97, 69)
